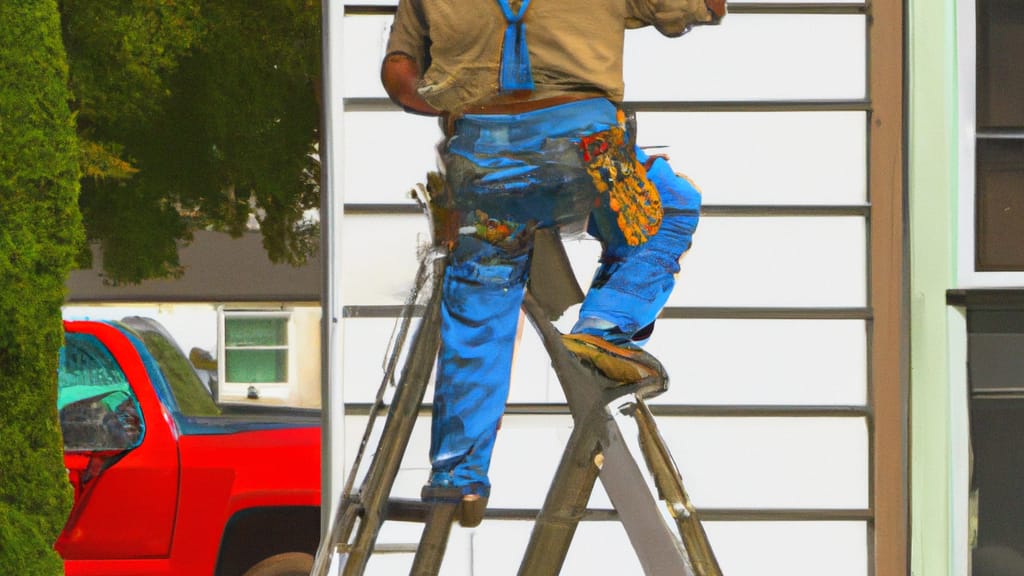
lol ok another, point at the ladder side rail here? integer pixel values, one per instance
(567, 498)
(588, 395)
(669, 483)
(398, 427)
(434, 540)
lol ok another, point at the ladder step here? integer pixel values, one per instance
(408, 510)
(415, 510)
(396, 548)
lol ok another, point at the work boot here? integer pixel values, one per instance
(471, 510)
(623, 362)
(472, 505)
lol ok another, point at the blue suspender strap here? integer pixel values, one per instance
(515, 58)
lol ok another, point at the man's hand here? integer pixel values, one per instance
(717, 9)
(399, 75)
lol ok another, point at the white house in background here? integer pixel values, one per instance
(258, 322)
(783, 337)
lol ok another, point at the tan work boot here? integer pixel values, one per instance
(624, 364)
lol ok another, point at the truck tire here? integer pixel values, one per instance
(287, 564)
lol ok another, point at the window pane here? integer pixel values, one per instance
(996, 428)
(87, 369)
(1000, 205)
(1000, 76)
(797, 57)
(256, 366)
(98, 410)
(255, 331)
(820, 160)
(996, 350)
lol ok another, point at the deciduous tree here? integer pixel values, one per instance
(197, 114)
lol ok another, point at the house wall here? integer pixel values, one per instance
(220, 273)
(192, 325)
(936, 431)
(307, 354)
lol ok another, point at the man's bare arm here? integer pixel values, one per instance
(674, 17)
(399, 74)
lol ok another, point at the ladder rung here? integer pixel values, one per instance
(396, 548)
(407, 510)
(589, 515)
(412, 510)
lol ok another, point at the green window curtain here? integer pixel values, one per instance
(257, 366)
(255, 331)
(256, 349)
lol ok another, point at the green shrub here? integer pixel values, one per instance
(40, 233)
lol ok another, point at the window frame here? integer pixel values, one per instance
(237, 391)
(968, 275)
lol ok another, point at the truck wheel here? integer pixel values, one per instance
(287, 564)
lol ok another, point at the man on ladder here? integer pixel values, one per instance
(529, 95)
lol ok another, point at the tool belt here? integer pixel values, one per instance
(511, 103)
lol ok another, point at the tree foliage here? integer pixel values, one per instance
(122, 52)
(212, 124)
(40, 231)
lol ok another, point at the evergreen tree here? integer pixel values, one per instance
(40, 232)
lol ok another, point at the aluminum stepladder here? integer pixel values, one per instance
(595, 449)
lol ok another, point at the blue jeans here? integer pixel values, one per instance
(508, 175)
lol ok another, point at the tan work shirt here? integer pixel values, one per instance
(575, 45)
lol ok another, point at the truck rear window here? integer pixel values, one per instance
(98, 410)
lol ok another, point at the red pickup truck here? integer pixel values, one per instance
(166, 481)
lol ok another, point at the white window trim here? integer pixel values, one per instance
(232, 391)
(967, 275)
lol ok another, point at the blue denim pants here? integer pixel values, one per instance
(510, 174)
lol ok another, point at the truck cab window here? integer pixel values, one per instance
(98, 411)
